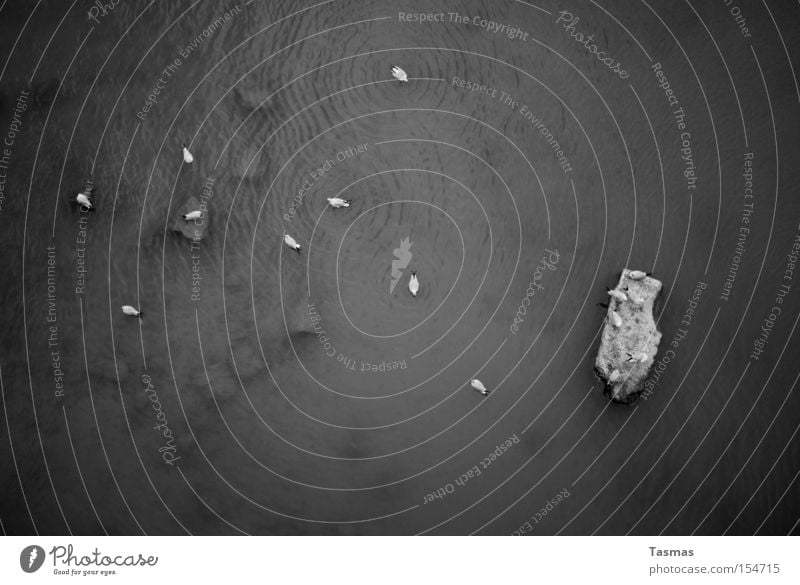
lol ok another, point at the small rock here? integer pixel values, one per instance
(636, 335)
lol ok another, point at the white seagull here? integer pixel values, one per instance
(478, 385)
(338, 202)
(399, 74)
(616, 319)
(637, 275)
(196, 214)
(614, 375)
(131, 311)
(292, 243)
(187, 156)
(413, 283)
(83, 200)
(620, 296)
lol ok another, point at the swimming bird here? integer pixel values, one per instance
(478, 385)
(196, 214)
(187, 156)
(399, 74)
(620, 296)
(616, 320)
(636, 275)
(83, 200)
(413, 283)
(292, 243)
(131, 312)
(338, 202)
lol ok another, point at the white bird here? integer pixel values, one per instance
(478, 385)
(616, 319)
(338, 202)
(637, 275)
(196, 214)
(413, 283)
(614, 375)
(292, 243)
(83, 200)
(187, 156)
(620, 296)
(131, 311)
(399, 74)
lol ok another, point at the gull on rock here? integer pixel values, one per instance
(337, 202)
(478, 385)
(614, 375)
(399, 74)
(413, 283)
(637, 275)
(187, 156)
(131, 311)
(616, 319)
(292, 243)
(620, 296)
(196, 214)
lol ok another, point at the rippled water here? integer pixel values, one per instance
(302, 393)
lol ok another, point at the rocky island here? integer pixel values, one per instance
(630, 338)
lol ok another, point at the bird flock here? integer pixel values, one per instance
(622, 297)
(84, 200)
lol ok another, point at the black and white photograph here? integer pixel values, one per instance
(383, 269)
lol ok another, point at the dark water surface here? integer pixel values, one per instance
(266, 391)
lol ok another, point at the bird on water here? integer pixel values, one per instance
(292, 243)
(337, 202)
(83, 200)
(413, 283)
(131, 311)
(399, 74)
(478, 385)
